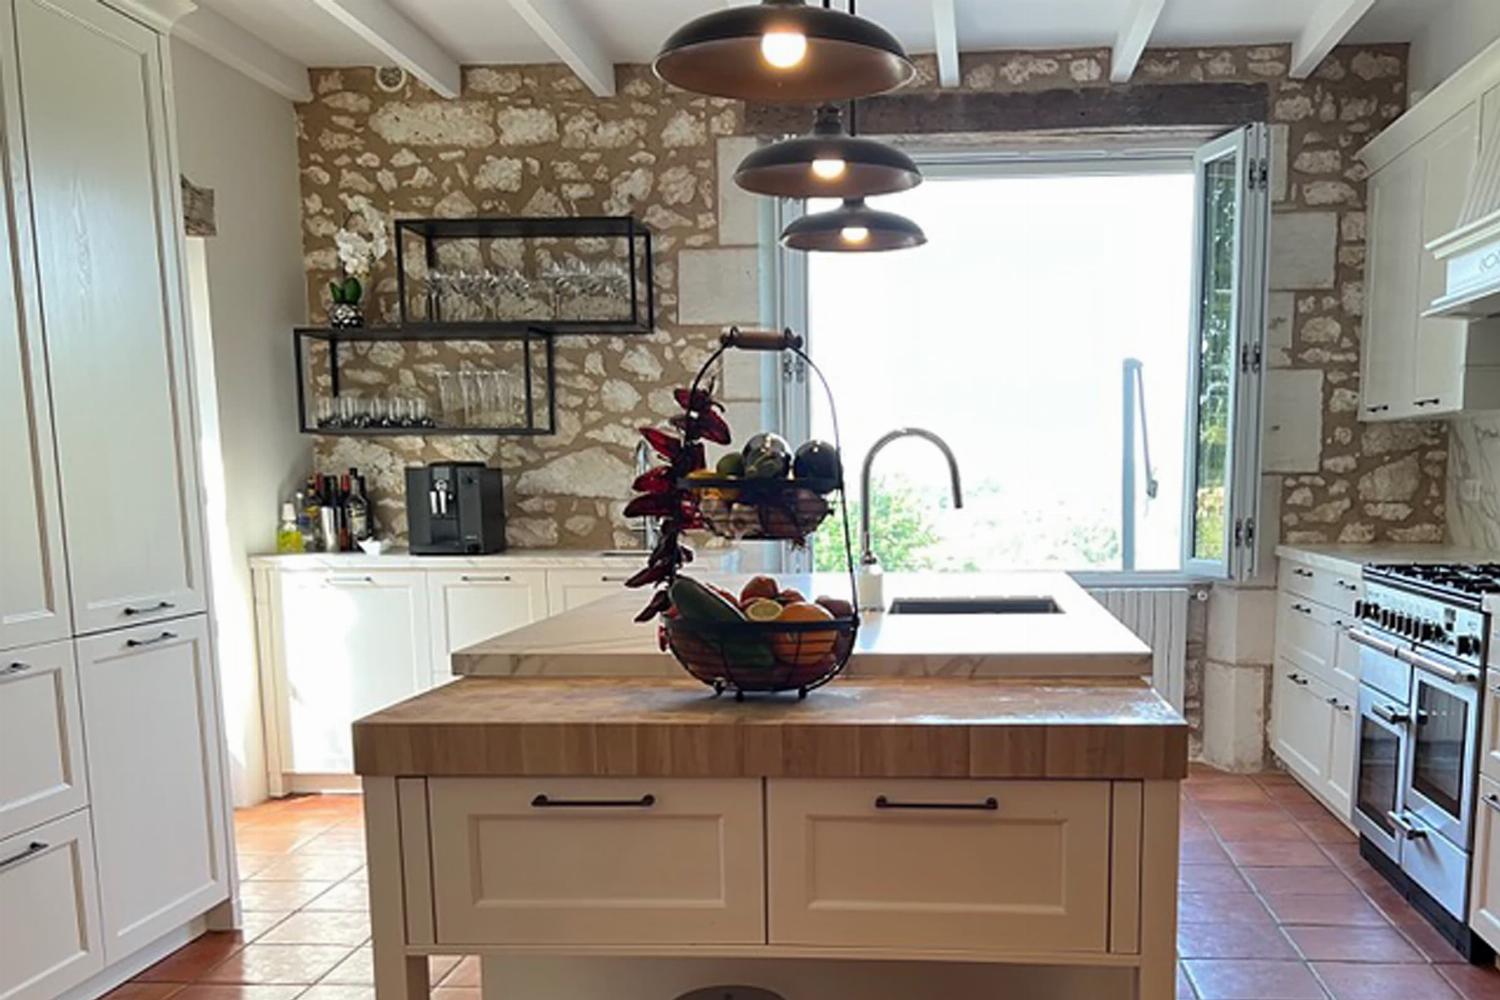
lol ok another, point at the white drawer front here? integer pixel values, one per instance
(1336, 590)
(597, 861)
(49, 910)
(1029, 874)
(1484, 913)
(41, 740)
(1305, 634)
(1489, 760)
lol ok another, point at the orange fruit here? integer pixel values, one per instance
(760, 586)
(762, 609)
(809, 648)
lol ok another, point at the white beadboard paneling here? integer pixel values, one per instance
(1158, 616)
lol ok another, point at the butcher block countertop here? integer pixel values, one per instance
(1081, 639)
(852, 728)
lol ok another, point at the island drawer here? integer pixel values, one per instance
(586, 861)
(1020, 866)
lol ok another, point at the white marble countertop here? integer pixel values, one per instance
(1349, 558)
(510, 559)
(1082, 640)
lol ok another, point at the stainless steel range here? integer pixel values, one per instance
(1422, 637)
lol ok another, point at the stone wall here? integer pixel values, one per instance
(531, 140)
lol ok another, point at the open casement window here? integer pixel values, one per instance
(1224, 398)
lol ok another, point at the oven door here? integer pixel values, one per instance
(1380, 755)
(1443, 746)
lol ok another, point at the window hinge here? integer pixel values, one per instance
(1249, 532)
(793, 368)
(1250, 358)
(1258, 174)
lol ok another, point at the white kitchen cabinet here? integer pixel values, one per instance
(154, 749)
(573, 588)
(104, 213)
(467, 606)
(348, 643)
(932, 863)
(591, 861)
(1338, 782)
(1391, 273)
(1484, 887)
(33, 587)
(50, 938)
(1301, 718)
(41, 737)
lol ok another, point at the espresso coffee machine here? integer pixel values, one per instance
(455, 509)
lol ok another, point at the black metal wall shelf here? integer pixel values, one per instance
(460, 398)
(521, 273)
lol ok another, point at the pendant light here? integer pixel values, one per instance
(827, 164)
(784, 50)
(853, 227)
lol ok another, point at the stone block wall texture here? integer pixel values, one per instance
(531, 140)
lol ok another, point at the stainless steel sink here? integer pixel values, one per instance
(973, 606)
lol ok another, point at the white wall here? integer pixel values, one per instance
(239, 139)
(1455, 36)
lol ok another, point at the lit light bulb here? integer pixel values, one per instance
(783, 49)
(854, 234)
(828, 169)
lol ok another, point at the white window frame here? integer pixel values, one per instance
(789, 309)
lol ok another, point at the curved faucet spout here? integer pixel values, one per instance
(867, 551)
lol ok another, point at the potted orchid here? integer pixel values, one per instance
(361, 243)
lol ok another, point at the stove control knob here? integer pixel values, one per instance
(1359, 609)
(1429, 632)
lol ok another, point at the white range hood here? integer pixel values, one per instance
(1472, 251)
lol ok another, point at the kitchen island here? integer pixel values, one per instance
(1005, 827)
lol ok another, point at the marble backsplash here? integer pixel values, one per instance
(1474, 482)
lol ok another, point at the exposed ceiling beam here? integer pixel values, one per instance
(1134, 35)
(1331, 20)
(557, 23)
(394, 36)
(237, 48)
(945, 34)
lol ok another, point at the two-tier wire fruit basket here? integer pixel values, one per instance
(713, 639)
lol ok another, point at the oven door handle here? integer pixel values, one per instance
(1408, 829)
(1447, 673)
(1379, 645)
(1390, 714)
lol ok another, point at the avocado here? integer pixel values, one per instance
(697, 603)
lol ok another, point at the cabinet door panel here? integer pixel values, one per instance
(1391, 275)
(49, 910)
(473, 605)
(1029, 874)
(1439, 356)
(41, 737)
(348, 644)
(573, 588)
(153, 745)
(1305, 634)
(1300, 722)
(1339, 783)
(1484, 896)
(111, 304)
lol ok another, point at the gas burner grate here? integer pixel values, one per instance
(1442, 579)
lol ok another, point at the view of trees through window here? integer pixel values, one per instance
(1009, 335)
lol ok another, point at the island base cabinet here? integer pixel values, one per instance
(586, 861)
(49, 911)
(1484, 894)
(1019, 866)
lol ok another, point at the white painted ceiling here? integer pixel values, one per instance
(490, 31)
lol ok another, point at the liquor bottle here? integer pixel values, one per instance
(359, 508)
(307, 520)
(346, 537)
(328, 514)
(288, 535)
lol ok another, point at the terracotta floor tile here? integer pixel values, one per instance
(338, 991)
(315, 867)
(254, 923)
(329, 927)
(1345, 857)
(1210, 878)
(1328, 831)
(466, 973)
(1307, 881)
(1277, 853)
(1353, 944)
(1237, 979)
(1185, 989)
(1254, 829)
(188, 963)
(1225, 791)
(1471, 981)
(303, 964)
(1202, 852)
(439, 966)
(356, 970)
(257, 895)
(1233, 941)
(267, 840)
(1306, 810)
(1424, 937)
(1268, 778)
(250, 862)
(1287, 793)
(238, 991)
(1218, 811)
(456, 993)
(135, 990)
(1331, 911)
(1369, 981)
(1221, 908)
(350, 894)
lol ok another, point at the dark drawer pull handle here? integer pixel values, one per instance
(158, 606)
(613, 579)
(1302, 572)
(137, 643)
(14, 668)
(35, 847)
(543, 802)
(503, 578)
(988, 805)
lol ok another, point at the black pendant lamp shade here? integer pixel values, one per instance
(827, 164)
(784, 50)
(853, 227)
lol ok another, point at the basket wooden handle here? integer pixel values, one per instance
(760, 340)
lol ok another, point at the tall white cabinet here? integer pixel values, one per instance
(113, 823)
